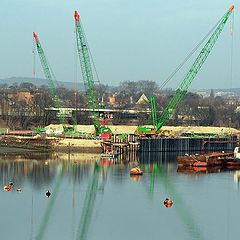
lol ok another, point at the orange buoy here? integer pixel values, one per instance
(136, 171)
(135, 178)
(168, 203)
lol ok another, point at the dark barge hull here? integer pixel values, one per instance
(211, 159)
(213, 144)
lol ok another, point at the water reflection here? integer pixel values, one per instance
(91, 195)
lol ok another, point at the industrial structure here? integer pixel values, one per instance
(186, 82)
(51, 84)
(122, 140)
(87, 73)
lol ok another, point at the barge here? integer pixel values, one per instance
(229, 159)
(206, 159)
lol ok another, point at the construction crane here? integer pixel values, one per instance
(183, 88)
(51, 82)
(152, 101)
(146, 130)
(87, 73)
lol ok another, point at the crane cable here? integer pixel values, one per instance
(89, 50)
(34, 59)
(231, 77)
(75, 80)
(231, 33)
(189, 55)
(231, 67)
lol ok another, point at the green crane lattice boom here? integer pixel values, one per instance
(51, 84)
(87, 73)
(48, 74)
(152, 101)
(182, 89)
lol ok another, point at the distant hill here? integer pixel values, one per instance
(40, 81)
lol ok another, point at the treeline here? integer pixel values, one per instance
(27, 101)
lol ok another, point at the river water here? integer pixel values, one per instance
(96, 199)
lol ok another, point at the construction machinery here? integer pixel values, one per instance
(183, 88)
(84, 56)
(149, 130)
(52, 87)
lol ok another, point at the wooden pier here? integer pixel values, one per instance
(121, 143)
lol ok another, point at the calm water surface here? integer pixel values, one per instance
(101, 201)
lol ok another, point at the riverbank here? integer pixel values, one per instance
(125, 129)
(78, 145)
(14, 144)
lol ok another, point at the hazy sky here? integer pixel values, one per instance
(129, 39)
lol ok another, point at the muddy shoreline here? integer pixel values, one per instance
(62, 149)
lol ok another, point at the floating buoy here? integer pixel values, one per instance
(48, 194)
(10, 183)
(19, 190)
(7, 188)
(136, 171)
(75, 161)
(168, 203)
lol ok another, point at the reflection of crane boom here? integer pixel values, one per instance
(49, 208)
(84, 57)
(182, 90)
(181, 208)
(88, 205)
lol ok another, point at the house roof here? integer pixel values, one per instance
(142, 100)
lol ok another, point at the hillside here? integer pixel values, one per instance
(40, 81)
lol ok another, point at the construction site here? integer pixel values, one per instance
(165, 173)
(100, 135)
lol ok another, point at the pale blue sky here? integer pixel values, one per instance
(129, 40)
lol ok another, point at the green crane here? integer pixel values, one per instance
(146, 130)
(87, 73)
(182, 89)
(51, 82)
